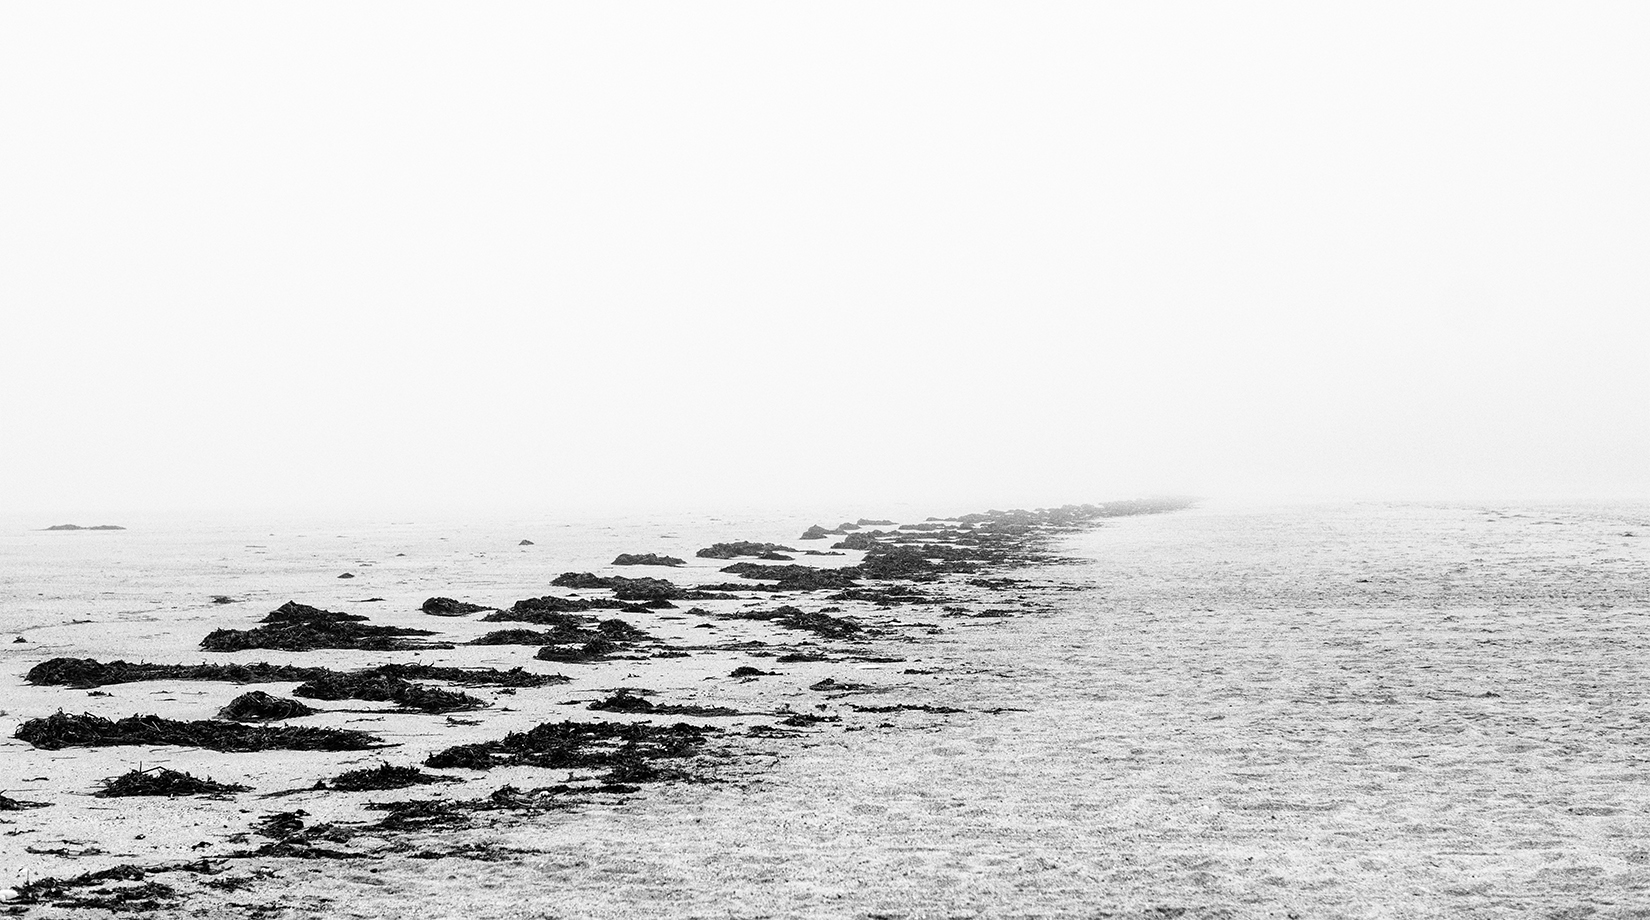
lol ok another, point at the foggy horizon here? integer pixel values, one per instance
(953, 256)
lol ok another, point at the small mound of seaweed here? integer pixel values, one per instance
(796, 577)
(258, 706)
(84, 673)
(575, 745)
(62, 730)
(737, 548)
(625, 699)
(383, 776)
(793, 618)
(633, 589)
(295, 627)
(379, 687)
(70, 893)
(447, 607)
(647, 559)
(163, 782)
(593, 650)
(8, 803)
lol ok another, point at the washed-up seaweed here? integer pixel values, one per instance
(794, 618)
(737, 548)
(7, 803)
(633, 589)
(97, 890)
(628, 700)
(574, 745)
(295, 627)
(647, 559)
(377, 686)
(62, 730)
(383, 776)
(163, 782)
(82, 673)
(258, 706)
(447, 607)
(795, 577)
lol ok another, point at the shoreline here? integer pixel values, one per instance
(819, 631)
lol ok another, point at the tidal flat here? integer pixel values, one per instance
(1217, 710)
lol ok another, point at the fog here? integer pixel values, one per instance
(518, 256)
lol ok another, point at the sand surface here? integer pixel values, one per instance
(1365, 711)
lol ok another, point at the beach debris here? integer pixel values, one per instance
(633, 589)
(647, 559)
(258, 706)
(163, 782)
(62, 730)
(447, 607)
(18, 640)
(525, 543)
(82, 673)
(379, 685)
(796, 577)
(7, 803)
(795, 618)
(804, 719)
(626, 699)
(347, 575)
(739, 548)
(100, 890)
(746, 670)
(383, 776)
(295, 627)
(576, 745)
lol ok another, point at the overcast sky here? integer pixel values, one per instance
(529, 255)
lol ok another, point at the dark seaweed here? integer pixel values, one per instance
(62, 730)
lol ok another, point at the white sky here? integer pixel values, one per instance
(522, 255)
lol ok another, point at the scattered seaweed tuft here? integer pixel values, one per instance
(163, 782)
(7, 803)
(447, 607)
(383, 776)
(62, 730)
(258, 706)
(295, 627)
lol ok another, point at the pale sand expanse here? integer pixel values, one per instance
(1356, 711)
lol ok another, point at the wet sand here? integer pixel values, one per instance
(1356, 711)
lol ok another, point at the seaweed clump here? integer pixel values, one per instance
(625, 699)
(576, 745)
(258, 706)
(379, 687)
(793, 618)
(382, 776)
(144, 897)
(83, 673)
(295, 627)
(796, 577)
(7, 803)
(447, 607)
(62, 730)
(163, 782)
(739, 548)
(647, 559)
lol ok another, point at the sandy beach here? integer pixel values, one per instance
(1351, 710)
